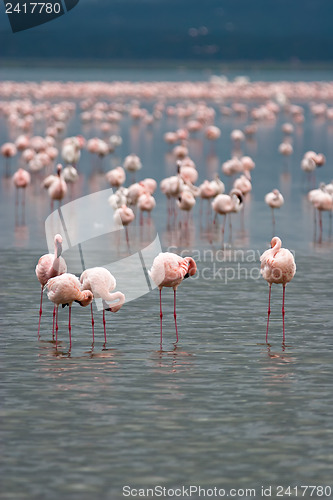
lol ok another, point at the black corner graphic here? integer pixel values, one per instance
(70, 4)
(27, 14)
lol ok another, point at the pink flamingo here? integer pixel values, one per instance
(49, 266)
(57, 190)
(8, 150)
(21, 179)
(274, 199)
(170, 270)
(277, 266)
(101, 282)
(116, 177)
(123, 216)
(225, 204)
(146, 203)
(66, 289)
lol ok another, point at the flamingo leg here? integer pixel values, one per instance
(40, 311)
(175, 314)
(223, 228)
(92, 323)
(230, 228)
(320, 226)
(57, 326)
(283, 313)
(127, 238)
(161, 316)
(268, 311)
(54, 313)
(70, 327)
(104, 325)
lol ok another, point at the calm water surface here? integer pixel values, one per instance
(223, 408)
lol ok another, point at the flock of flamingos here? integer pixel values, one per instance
(25, 106)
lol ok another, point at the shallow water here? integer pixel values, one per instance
(222, 408)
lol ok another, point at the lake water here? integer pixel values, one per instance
(222, 409)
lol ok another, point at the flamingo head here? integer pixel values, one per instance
(58, 244)
(59, 169)
(86, 299)
(276, 242)
(192, 267)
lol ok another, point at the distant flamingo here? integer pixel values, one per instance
(277, 266)
(21, 179)
(116, 177)
(49, 266)
(101, 282)
(8, 150)
(225, 204)
(170, 270)
(322, 200)
(274, 199)
(123, 216)
(146, 203)
(57, 190)
(66, 289)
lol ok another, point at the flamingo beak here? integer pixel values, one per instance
(187, 275)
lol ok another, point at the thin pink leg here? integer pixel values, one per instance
(70, 327)
(175, 314)
(268, 311)
(283, 313)
(223, 228)
(54, 313)
(320, 226)
(40, 311)
(57, 327)
(161, 316)
(92, 323)
(104, 327)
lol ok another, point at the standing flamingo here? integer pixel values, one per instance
(21, 179)
(49, 266)
(277, 266)
(58, 188)
(274, 199)
(170, 270)
(101, 282)
(225, 204)
(8, 150)
(66, 289)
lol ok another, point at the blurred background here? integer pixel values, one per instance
(159, 32)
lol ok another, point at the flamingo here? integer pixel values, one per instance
(66, 289)
(101, 282)
(132, 163)
(49, 266)
(8, 150)
(146, 203)
(274, 199)
(57, 190)
(225, 204)
(116, 177)
(322, 200)
(277, 266)
(21, 179)
(169, 270)
(123, 216)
